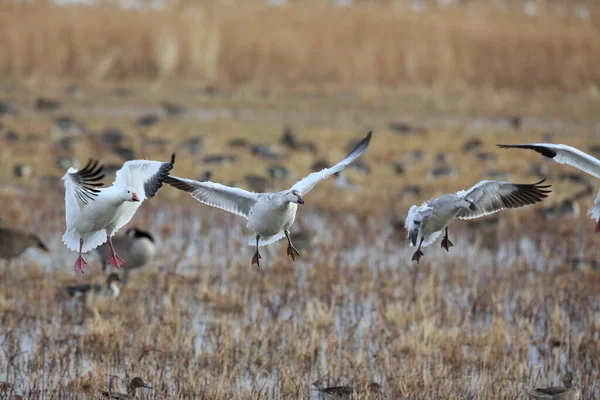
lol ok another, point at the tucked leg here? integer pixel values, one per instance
(113, 258)
(446, 243)
(418, 254)
(291, 250)
(256, 254)
(80, 263)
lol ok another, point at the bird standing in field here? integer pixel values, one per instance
(564, 154)
(568, 392)
(137, 247)
(426, 222)
(135, 383)
(14, 242)
(94, 215)
(346, 392)
(269, 215)
(110, 290)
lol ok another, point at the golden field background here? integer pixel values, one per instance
(512, 306)
(307, 43)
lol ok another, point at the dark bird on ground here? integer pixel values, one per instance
(110, 290)
(14, 242)
(345, 392)
(137, 248)
(568, 392)
(135, 383)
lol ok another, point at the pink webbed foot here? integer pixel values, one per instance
(80, 263)
(115, 260)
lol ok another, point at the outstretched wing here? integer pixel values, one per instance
(489, 197)
(306, 184)
(233, 200)
(80, 189)
(563, 154)
(145, 177)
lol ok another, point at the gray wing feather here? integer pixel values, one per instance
(87, 180)
(155, 182)
(307, 183)
(233, 200)
(492, 196)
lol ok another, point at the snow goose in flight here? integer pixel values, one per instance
(94, 215)
(269, 215)
(426, 222)
(564, 154)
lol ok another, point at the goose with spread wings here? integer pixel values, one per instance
(269, 215)
(94, 214)
(564, 154)
(425, 223)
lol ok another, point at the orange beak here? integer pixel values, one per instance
(134, 197)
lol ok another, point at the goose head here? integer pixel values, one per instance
(129, 194)
(137, 382)
(135, 233)
(112, 278)
(467, 203)
(40, 245)
(294, 196)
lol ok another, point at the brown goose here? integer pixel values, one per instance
(14, 242)
(568, 392)
(135, 383)
(346, 392)
(137, 247)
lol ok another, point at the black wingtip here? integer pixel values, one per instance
(362, 145)
(545, 151)
(542, 188)
(173, 159)
(367, 139)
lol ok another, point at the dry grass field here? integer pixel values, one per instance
(235, 91)
(307, 43)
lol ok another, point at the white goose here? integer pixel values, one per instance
(426, 222)
(94, 215)
(269, 215)
(564, 154)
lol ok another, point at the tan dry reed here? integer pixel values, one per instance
(300, 44)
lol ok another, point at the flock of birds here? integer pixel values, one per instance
(94, 214)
